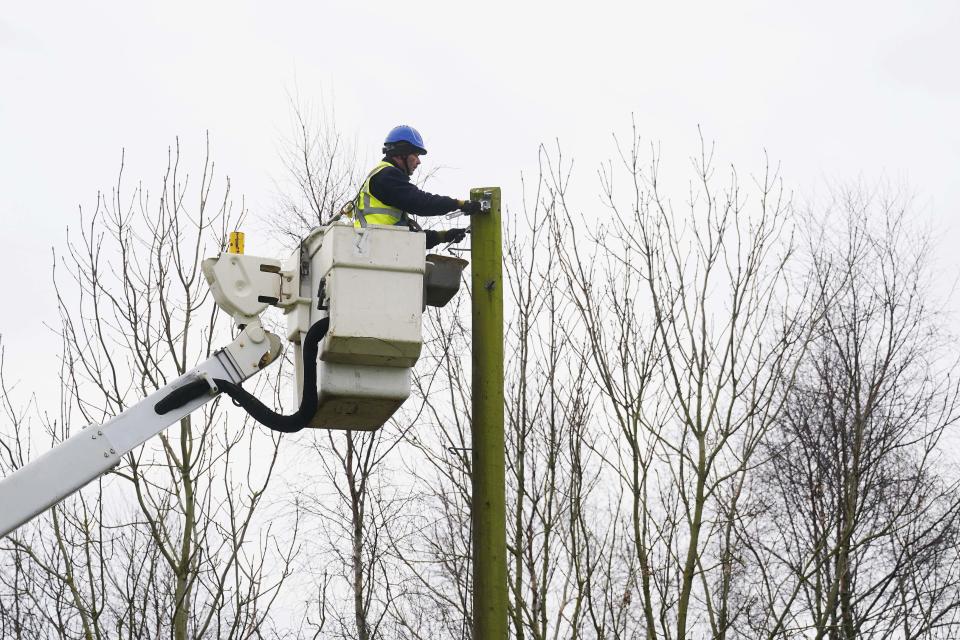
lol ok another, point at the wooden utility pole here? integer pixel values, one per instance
(488, 512)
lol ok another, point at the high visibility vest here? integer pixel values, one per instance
(369, 210)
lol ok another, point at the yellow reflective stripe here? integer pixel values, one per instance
(381, 218)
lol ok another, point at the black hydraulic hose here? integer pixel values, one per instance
(285, 424)
(308, 402)
(181, 396)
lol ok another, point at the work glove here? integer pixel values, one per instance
(450, 235)
(454, 235)
(470, 207)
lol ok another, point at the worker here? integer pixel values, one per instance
(388, 197)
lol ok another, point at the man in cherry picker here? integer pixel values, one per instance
(388, 197)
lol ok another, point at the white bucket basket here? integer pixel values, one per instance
(371, 284)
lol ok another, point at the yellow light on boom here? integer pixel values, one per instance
(236, 242)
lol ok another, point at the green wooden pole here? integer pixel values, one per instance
(489, 502)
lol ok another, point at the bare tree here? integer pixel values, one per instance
(865, 522)
(170, 543)
(547, 406)
(321, 172)
(691, 339)
(431, 542)
(20, 615)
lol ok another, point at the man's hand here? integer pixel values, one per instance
(439, 237)
(470, 207)
(454, 235)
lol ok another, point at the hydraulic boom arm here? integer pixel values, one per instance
(86, 455)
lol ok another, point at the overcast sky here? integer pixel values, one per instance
(832, 91)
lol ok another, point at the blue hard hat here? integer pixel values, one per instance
(403, 138)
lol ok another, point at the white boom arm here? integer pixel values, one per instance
(85, 456)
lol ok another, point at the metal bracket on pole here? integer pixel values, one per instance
(486, 201)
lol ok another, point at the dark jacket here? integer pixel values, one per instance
(392, 186)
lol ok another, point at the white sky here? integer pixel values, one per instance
(833, 91)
